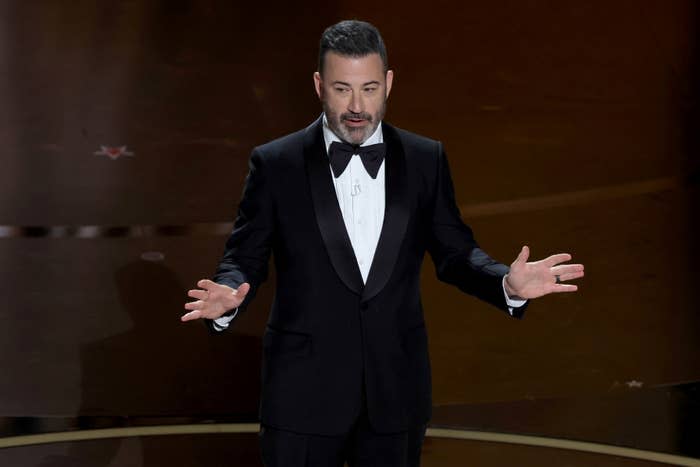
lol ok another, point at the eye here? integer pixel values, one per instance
(341, 90)
(370, 89)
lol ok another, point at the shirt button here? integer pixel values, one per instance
(362, 261)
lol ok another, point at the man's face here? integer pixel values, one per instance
(353, 92)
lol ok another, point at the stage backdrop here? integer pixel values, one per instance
(125, 132)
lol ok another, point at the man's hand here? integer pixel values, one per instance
(214, 300)
(531, 280)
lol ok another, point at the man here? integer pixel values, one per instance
(350, 205)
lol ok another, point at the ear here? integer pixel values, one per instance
(317, 84)
(389, 81)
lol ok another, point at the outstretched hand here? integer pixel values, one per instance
(214, 300)
(531, 280)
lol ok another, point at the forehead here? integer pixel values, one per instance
(354, 70)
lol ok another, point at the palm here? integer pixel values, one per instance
(213, 300)
(538, 278)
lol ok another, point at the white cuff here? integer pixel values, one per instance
(512, 303)
(222, 322)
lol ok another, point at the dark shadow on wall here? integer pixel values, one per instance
(160, 368)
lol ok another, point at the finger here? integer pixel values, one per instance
(566, 269)
(242, 290)
(556, 259)
(559, 288)
(196, 314)
(571, 276)
(200, 294)
(523, 255)
(198, 305)
(206, 284)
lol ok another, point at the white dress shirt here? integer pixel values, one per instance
(362, 200)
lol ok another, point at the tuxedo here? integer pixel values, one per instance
(336, 345)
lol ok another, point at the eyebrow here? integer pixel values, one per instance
(349, 85)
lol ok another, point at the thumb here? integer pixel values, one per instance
(242, 290)
(523, 255)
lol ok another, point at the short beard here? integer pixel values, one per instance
(353, 135)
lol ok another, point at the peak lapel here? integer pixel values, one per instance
(395, 216)
(328, 215)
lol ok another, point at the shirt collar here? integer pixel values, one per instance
(329, 137)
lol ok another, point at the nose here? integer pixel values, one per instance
(355, 105)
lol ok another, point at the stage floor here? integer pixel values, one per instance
(630, 427)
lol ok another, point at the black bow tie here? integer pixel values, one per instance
(372, 156)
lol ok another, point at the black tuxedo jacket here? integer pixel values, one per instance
(332, 340)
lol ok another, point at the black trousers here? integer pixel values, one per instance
(361, 447)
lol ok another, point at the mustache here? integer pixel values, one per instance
(356, 116)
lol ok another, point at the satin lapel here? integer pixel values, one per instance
(328, 215)
(395, 215)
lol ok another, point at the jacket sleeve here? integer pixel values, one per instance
(457, 257)
(247, 252)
